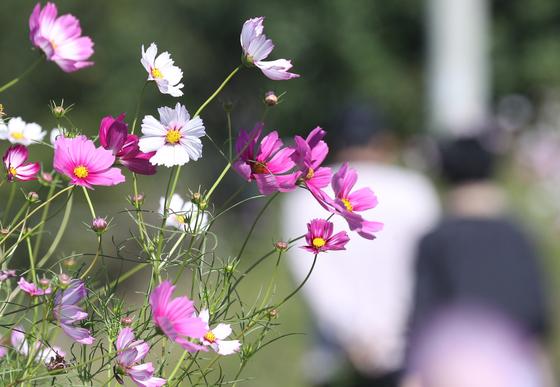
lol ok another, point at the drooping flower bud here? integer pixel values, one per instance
(270, 98)
(281, 246)
(127, 321)
(70, 262)
(99, 225)
(2, 114)
(47, 177)
(136, 199)
(44, 282)
(33, 197)
(64, 280)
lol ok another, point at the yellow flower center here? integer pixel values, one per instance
(210, 337)
(181, 219)
(17, 135)
(81, 172)
(310, 174)
(348, 205)
(156, 73)
(318, 242)
(12, 171)
(53, 44)
(173, 136)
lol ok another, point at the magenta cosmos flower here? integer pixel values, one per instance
(68, 313)
(114, 136)
(130, 353)
(320, 237)
(176, 318)
(257, 47)
(84, 164)
(308, 156)
(60, 38)
(32, 289)
(16, 166)
(267, 163)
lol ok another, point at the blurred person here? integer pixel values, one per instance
(477, 255)
(360, 298)
(469, 346)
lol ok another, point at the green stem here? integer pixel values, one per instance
(61, 230)
(31, 258)
(23, 75)
(218, 90)
(138, 105)
(220, 178)
(44, 216)
(259, 215)
(300, 285)
(10, 202)
(94, 261)
(177, 367)
(90, 205)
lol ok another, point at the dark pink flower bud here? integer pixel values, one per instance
(47, 177)
(99, 225)
(127, 321)
(64, 279)
(44, 282)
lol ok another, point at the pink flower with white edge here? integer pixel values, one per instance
(68, 313)
(32, 289)
(177, 318)
(163, 71)
(16, 166)
(267, 163)
(309, 154)
(84, 164)
(42, 351)
(320, 237)
(60, 38)
(130, 353)
(175, 137)
(257, 47)
(114, 136)
(17, 131)
(214, 338)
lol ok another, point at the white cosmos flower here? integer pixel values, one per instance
(214, 338)
(17, 131)
(162, 70)
(184, 215)
(175, 137)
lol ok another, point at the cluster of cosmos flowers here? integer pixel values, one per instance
(172, 138)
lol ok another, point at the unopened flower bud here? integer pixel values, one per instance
(70, 262)
(229, 268)
(136, 199)
(99, 225)
(273, 313)
(270, 98)
(64, 279)
(33, 197)
(196, 197)
(44, 282)
(281, 246)
(127, 321)
(2, 114)
(47, 177)
(4, 231)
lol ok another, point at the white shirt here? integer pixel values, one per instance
(361, 296)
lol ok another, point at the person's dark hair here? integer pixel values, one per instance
(465, 160)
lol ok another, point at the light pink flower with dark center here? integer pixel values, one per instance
(60, 38)
(32, 289)
(68, 313)
(267, 163)
(130, 353)
(308, 156)
(176, 318)
(320, 237)
(215, 338)
(42, 351)
(84, 164)
(257, 47)
(114, 136)
(17, 167)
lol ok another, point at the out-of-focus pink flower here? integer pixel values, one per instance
(60, 38)
(214, 338)
(68, 313)
(42, 351)
(130, 353)
(32, 289)
(114, 136)
(320, 237)
(5, 274)
(308, 156)
(266, 163)
(176, 318)
(84, 164)
(257, 47)
(16, 166)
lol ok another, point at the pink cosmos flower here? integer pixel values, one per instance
(113, 135)
(60, 38)
(130, 353)
(42, 351)
(16, 167)
(68, 313)
(32, 289)
(176, 318)
(266, 163)
(257, 47)
(320, 237)
(84, 164)
(308, 156)
(6, 274)
(214, 338)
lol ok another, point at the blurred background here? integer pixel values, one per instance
(432, 69)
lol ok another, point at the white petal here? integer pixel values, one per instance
(152, 127)
(151, 144)
(204, 315)
(170, 155)
(194, 127)
(149, 57)
(222, 331)
(227, 347)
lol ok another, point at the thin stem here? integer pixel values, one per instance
(138, 105)
(61, 230)
(9, 84)
(218, 90)
(10, 202)
(31, 258)
(220, 178)
(44, 215)
(261, 212)
(300, 285)
(94, 261)
(177, 367)
(91, 209)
